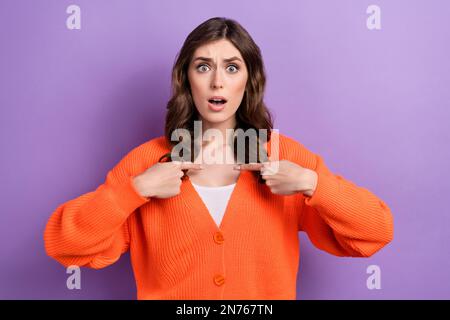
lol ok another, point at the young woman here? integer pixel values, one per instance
(201, 230)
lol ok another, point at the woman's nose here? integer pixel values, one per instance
(217, 80)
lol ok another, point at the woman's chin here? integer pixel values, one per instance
(211, 118)
(215, 117)
(215, 120)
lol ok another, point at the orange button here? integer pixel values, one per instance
(218, 237)
(219, 280)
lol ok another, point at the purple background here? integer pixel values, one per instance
(373, 103)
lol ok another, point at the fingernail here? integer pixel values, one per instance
(237, 167)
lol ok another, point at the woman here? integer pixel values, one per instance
(227, 230)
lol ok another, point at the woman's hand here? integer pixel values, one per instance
(162, 180)
(285, 177)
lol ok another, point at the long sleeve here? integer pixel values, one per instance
(344, 219)
(92, 230)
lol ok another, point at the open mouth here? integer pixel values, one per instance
(217, 102)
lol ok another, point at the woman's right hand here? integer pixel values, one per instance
(163, 179)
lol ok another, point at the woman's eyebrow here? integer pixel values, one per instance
(210, 60)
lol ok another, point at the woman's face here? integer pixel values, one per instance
(217, 69)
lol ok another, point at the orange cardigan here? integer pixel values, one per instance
(178, 252)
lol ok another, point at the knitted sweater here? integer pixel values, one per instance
(178, 252)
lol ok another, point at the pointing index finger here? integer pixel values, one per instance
(190, 165)
(249, 166)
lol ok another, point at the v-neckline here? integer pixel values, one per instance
(195, 202)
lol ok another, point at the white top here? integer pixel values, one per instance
(215, 199)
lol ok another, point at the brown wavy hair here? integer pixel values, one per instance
(251, 114)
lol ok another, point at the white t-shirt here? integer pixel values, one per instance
(215, 199)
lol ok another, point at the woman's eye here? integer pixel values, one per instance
(235, 68)
(202, 67)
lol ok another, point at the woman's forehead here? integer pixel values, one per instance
(221, 49)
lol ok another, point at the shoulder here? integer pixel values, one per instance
(293, 150)
(152, 149)
(156, 145)
(145, 155)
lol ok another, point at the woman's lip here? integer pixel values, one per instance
(216, 107)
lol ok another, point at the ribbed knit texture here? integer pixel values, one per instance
(178, 252)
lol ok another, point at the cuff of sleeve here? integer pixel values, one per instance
(126, 197)
(325, 194)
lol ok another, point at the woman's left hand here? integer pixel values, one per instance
(285, 177)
